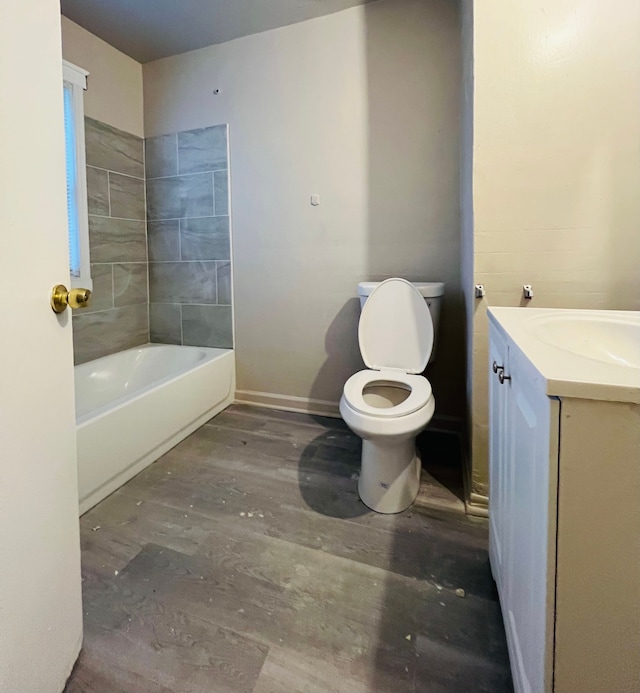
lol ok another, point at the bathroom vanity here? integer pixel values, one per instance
(564, 506)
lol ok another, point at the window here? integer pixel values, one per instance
(74, 84)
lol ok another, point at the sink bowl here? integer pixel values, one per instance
(597, 336)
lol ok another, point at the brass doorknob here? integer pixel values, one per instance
(61, 298)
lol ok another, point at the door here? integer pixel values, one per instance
(500, 474)
(532, 454)
(40, 586)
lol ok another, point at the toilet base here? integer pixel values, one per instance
(389, 475)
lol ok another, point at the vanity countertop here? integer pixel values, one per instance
(587, 354)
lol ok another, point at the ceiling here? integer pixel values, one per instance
(151, 29)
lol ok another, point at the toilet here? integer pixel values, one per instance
(390, 403)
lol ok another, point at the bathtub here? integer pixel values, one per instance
(133, 406)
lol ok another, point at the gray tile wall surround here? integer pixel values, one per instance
(126, 197)
(183, 282)
(108, 331)
(188, 238)
(210, 325)
(160, 247)
(118, 316)
(180, 196)
(117, 240)
(112, 149)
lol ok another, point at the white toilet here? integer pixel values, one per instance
(389, 404)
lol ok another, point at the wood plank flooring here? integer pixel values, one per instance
(243, 561)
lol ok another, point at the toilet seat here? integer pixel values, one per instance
(419, 395)
(395, 334)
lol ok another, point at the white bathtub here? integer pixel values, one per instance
(133, 406)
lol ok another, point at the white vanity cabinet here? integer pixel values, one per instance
(523, 448)
(564, 528)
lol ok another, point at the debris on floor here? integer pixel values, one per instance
(261, 577)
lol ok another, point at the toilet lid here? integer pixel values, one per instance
(395, 329)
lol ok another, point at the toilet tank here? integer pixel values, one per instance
(432, 293)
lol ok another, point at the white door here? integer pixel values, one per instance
(500, 474)
(533, 422)
(40, 586)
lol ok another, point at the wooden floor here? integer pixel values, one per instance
(243, 560)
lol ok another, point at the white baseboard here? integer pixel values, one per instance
(322, 407)
(302, 405)
(475, 503)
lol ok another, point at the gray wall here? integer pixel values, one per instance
(466, 204)
(189, 238)
(363, 108)
(117, 317)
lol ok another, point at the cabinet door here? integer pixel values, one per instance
(499, 472)
(530, 568)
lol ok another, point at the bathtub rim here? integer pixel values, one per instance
(119, 402)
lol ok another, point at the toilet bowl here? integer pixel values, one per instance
(390, 403)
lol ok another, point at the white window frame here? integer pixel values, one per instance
(77, 77)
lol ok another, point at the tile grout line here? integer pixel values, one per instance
(146, 237)
(108, 310)
(108, 193)
(177, 156)
(216, 270)
(177, 175)
(213, 192)
(103, 216)
(120, 262)
(206, 216)
(167, 262)
(117, 173)
(203, 305)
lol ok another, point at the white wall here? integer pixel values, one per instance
(362, 108)
(114, 95)
(556, 157)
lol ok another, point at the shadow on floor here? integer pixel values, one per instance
(441, 454)
(439, 625)
(328, 473)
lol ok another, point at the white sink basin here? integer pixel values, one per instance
(583, 354)
(611, 339)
